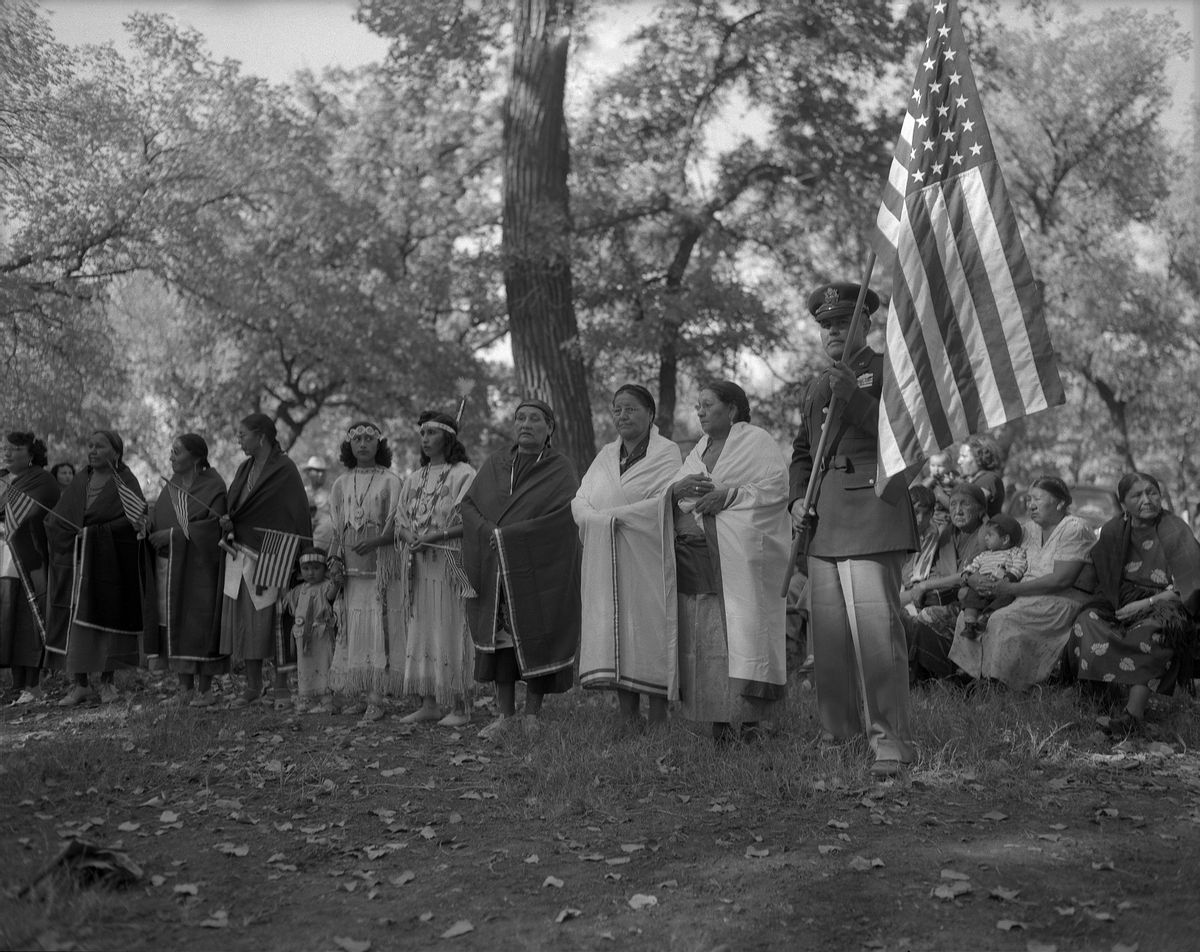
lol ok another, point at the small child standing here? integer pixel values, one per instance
(315, 629)
(1002, 558)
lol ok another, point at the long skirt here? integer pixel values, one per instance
(706, 691)
(1022, 642)
(20, 640)
(207, 667)
(439, 655)
(1105, 650)
(253, 634)
(370, 653)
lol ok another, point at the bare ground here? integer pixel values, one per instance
(265, 831)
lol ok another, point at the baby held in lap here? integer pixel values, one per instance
(1002, 558)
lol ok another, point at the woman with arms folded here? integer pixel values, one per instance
(182, 610)
(1139, 630)
(726, 512)
(521, 555)
(629, 635)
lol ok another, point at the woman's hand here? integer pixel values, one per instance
(691, 486)
(712, 502)
(226, 524)
(366, 546)
(160, 539)
(985, 585)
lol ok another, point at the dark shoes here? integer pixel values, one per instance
(1124, 724)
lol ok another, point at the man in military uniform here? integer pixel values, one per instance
(858, 543)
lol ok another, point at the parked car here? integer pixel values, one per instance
(1095, 505)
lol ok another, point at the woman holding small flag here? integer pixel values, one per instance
(268, 518)
(28, 492)
(94, 594)
(369, 660)
(181, 612)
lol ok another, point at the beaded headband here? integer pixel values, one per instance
(363, 429)
(440, 426)
(312, 557)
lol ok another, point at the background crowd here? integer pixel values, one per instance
(656, 575)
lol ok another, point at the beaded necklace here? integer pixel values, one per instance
(420, 512)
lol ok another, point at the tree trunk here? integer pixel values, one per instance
(1117, 411)
(672, 323)
(536, 226)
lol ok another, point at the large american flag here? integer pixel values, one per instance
(967, 345)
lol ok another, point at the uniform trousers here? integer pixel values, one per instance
(859, 651)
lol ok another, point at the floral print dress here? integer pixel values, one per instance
(1137, 650)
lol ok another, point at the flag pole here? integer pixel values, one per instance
(800, 540)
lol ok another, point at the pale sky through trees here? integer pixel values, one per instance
(274, 38)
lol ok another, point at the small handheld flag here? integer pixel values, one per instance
(276, 559)
(134, 505)
(179, 503)
(17, 506)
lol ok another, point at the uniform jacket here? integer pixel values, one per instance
(852, 520)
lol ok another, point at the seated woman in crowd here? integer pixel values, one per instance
(628, 639)
(521, 555)
(1139, 629)
(23, 561)
(94, 591)
(728, 517)
(1024, 640)
(934, 599)
(182, 610)
(980, 461)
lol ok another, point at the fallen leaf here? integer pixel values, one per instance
(756, 853)
(187, 889)
(552, 881)
(995, 816)
(218, 920)
(954, 874)
(861, 863)
(591, 857)
(1106, 864)
(1102, 916)
(129, 826)
(1006, 895)
(642, 901)
(1065, 910)
(405, 877)
(632, 847)
(1008, 925)
(1035, 946)
(952, 889)
(352, 945)
(838, 824)
(426, 916)
(168, 816)
(568, 913)
(612, 877)
(1122, 947)
(462, 927)
(393, 772)
(532, 858)
(229, 849)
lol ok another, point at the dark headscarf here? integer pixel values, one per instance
(539, 405)
(971, 491)
(731, 394)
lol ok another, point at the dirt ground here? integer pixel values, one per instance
(265, 831)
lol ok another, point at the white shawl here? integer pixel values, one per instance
(753, 540)
(629, 636)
